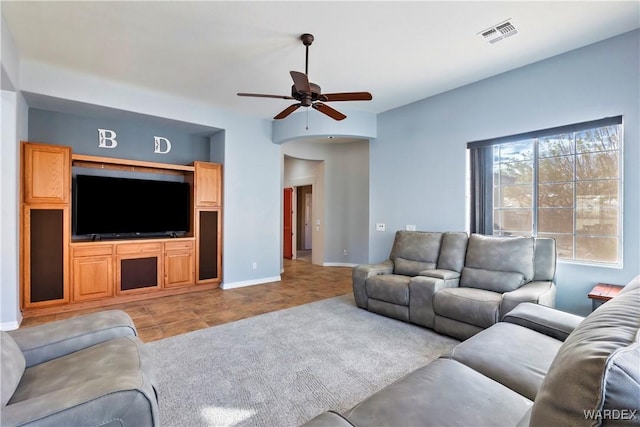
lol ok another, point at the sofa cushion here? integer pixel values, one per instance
(474, 306)
(499, 264)
(13, 365)
(514, 356)
(391, 288)
(545, 259)
(596, 369)
(452, 251)
(496, 281)
(408, 267)
(443, 392)
(418, 246)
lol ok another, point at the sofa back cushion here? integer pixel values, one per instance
(415, 251)
(452, 251)
(595, 376)
(13, 365)
(499, 264)
(545, 259)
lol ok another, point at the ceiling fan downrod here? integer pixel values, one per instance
(307, 39)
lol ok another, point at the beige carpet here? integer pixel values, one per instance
(285, 367)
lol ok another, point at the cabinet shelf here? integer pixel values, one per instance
(97, 162)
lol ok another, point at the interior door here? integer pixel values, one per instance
(287, 231)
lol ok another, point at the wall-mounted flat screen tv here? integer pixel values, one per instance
(110, 206)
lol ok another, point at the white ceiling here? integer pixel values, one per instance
(399, 51)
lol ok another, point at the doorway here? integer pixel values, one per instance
(287, 224)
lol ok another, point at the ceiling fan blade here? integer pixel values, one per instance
(290, 109)
(346, 96)
(260, 95)
(301, 82)
(325, 109)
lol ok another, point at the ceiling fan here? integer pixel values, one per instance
(309, 94)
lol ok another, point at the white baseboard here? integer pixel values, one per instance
(10, 326)
(242, 284)
(338, 264)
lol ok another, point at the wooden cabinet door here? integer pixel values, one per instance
(92, 278)
(208, 246)
(138, 267)
(208, 184)
(178, 268)
(47, 173)
(45, 257)
(92, 274)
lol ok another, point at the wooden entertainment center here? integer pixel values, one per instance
(61, 274)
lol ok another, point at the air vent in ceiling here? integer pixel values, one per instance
(499, 31)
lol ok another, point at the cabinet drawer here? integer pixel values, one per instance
(179, 245)
(82, 251)
(136, 248)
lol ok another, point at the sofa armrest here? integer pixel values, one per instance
(422, 289)
(538, 291)
(545, 320)
(441, 274)
(328, 419)
(56, 339)
(360, 275)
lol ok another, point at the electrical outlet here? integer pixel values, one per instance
(344, 252)
(410, 227)
(255, 265)
(380, 226)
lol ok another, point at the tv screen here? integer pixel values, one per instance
(123, 206)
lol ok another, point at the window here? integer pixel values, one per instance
(562, 183)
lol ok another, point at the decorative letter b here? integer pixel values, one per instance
(107, 138)
(158, 145)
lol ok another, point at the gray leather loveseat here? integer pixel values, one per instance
(455, 284)
(89, 370)
(537, 367)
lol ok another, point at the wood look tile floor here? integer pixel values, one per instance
(156, 318)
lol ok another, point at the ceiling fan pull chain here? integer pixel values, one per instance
(307, 127)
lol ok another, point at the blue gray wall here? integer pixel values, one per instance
(134, 136)
(418, 161)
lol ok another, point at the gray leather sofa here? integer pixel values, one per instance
(89, 370)
(537, 367)
(455, 284)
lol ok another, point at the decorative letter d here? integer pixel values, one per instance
(158, 140)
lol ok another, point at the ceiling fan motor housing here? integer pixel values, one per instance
(303, 97)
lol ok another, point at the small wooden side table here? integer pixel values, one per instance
(601, 293)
